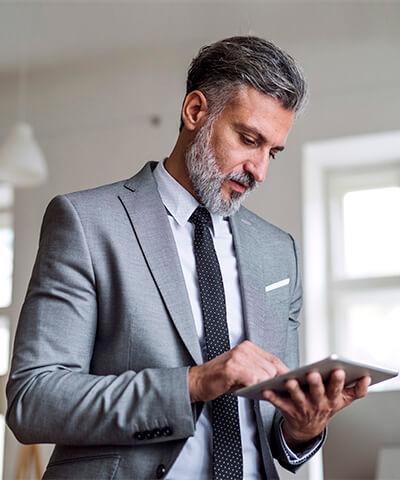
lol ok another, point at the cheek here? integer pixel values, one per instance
(229, 156)
(228, 151)
(221, 149)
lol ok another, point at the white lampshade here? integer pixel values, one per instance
(21, 160)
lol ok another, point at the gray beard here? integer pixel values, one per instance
(206, 178)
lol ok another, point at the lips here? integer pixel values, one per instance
(237, 186)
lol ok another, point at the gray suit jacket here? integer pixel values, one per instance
(106, 334)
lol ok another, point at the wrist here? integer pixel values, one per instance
(193, 382)
(297, 440)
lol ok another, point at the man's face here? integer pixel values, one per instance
(230, 156)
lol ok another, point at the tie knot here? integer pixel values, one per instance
(201, 217)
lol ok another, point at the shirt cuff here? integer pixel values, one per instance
(298, 458)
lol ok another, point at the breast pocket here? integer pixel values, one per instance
(99, 467)
(279, 295)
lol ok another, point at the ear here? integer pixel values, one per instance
(194, 110)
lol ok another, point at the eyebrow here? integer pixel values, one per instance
(254, 131)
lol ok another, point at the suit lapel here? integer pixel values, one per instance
(255, 265)
(150, 223)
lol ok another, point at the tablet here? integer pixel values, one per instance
(354, 371)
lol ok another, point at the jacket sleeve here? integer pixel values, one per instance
(278, 447)
(52, 396)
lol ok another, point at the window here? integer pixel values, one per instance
(4, 344)
(364, 266)
(6, 272)
(6, 257)
(2, 436)
(343, 294)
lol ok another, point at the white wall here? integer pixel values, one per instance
(93, 122)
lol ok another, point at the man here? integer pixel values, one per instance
(148, 303)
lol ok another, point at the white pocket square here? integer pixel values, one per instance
(276, 285)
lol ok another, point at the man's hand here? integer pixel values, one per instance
(307, 414)
(242, 366)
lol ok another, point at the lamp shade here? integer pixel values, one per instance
(21, 160)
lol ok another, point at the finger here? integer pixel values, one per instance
(336, 384)
(270, 360)
(268, 368)
(296, 394)
(243, 366)
(272, 364)
(254, 374)
(362, 387)
(279, 365)
(284, 404)
(316, 387)
(359, 390)
(243, 373)
(250, 364)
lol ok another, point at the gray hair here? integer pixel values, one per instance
(222, 67)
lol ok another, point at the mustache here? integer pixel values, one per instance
(245, 178)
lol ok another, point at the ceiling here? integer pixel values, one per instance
(48, 32)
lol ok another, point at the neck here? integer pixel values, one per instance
(176, 165)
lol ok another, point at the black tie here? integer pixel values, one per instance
(227, 445)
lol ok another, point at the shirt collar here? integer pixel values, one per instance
(177, 200)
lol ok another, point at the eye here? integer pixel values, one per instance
(272, 155)
(248, 140)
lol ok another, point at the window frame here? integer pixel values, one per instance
(5, 312)
(380, 149)
(342, 288)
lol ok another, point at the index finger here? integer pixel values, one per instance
(279, 365)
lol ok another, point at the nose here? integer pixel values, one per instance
(258, 167)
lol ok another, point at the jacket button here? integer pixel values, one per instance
(160, 472)
(157, 432)
(148, 435)
(166, 431)
(139, 436)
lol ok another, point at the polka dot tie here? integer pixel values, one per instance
(227, 445)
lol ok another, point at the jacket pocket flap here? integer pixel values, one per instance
(101, 467)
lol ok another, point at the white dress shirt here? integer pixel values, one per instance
(194, 460)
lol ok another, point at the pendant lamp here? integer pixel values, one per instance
(21, 159)
(22, 163)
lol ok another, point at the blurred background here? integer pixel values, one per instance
(90, 91)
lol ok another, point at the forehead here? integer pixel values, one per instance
(259, 111)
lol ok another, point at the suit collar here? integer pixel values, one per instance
(150, 224)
